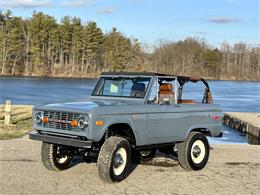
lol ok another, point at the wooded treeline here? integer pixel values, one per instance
(195, 57)
(41, 46)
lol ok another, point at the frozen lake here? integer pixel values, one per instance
(233, 96)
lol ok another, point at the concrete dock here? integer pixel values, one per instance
(248, 123)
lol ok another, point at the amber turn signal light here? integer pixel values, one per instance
(99, 123)
(74, 123)
(45, 120)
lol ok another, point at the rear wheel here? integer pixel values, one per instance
(114, 159)
(193, 154)
(55, 157)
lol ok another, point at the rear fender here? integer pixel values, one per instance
(212, 130)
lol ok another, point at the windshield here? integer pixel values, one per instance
(131, 87)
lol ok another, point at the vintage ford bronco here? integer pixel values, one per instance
(129, 114)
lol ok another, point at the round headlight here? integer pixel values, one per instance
(82, 122)
(38, 117)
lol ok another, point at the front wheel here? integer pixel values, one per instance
(55, 157)
(193, 154)
(114, 159)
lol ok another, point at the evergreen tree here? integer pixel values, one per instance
(5, 18)
(42, 30)
(212, 59)
(77, 43)
(93, 40)
(16, 46)
(65, 42)
(137, 59)
(117, 50)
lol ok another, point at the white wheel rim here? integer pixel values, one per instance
(119, 161)
(198, 151)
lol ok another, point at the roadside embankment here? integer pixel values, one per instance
(15, 120)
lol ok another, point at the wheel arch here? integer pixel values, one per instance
(122, 129)
(204, 131)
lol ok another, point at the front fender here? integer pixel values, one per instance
(97, 132)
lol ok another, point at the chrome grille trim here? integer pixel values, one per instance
(60, 120)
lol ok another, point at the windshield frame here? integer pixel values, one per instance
(123, 97)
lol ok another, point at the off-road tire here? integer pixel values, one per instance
(185, 155)
(49, 160)
(106, 159)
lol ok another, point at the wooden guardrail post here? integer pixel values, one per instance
(8, 108)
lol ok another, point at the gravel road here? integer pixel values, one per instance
(232, 169)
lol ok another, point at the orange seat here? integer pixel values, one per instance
(166, 88)
(166, 93)
(187, 102)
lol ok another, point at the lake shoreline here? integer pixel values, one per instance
(96, 76)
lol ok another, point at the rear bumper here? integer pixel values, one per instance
(66, 141)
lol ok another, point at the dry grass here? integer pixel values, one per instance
(15, 131)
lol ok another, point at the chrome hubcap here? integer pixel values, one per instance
(118, 160)
(196, 151)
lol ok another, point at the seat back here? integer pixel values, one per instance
(166, 94)
(138, 90)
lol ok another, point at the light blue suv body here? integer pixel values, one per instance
(145, 107)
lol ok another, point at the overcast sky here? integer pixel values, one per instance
(152, 20)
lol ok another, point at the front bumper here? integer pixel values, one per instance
(66, 141)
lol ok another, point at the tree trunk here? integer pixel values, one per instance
(83, 60)
(4, 56)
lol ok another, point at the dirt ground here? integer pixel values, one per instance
(232, 169)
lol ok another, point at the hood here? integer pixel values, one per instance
(82, 107)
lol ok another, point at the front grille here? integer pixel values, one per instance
(60, 120)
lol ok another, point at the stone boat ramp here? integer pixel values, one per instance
(245, 122)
